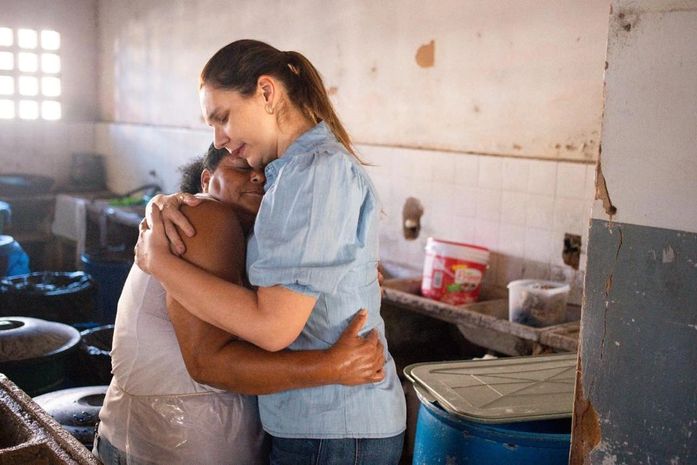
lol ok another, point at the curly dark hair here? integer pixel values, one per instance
(191, 172)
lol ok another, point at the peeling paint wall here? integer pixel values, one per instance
(513, 77)
(637, 387)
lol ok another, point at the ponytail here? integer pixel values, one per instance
(238, 65)
(308, 92)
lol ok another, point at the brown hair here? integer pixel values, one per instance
(238, 65)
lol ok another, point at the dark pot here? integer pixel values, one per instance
(77, 410)
(34, 353)
(66, 297)
(95, 356)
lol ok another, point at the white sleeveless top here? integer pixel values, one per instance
(153, 410)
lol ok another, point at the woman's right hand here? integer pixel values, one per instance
(358, 359)
(172, 217)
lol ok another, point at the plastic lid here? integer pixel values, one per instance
(502, 390)
(458, 251)
(540, 286)
(6, 241)
(23, 338)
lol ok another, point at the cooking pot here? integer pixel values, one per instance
(34, 353)
(76, 409)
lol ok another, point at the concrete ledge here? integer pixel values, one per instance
(29, 436)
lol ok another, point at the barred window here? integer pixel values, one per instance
(30, 74)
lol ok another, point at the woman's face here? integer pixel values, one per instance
(241, 124)
(235, 182)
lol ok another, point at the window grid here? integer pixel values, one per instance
(30, 74)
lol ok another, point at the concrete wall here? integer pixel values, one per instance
(488, 112)
(45, 147)
(636, 397)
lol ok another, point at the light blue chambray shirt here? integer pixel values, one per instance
(317, 233)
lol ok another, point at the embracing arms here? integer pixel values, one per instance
(214, 357)
(270, 318)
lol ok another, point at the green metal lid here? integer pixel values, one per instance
(501, 390)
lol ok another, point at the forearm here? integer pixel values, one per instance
(244, 368)
(253, 316)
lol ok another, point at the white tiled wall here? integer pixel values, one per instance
(519, 208)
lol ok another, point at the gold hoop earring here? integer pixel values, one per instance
(268, 108)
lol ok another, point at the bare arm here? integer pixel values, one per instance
(270, 318)
(214, 357)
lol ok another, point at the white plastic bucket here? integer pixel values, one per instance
(535, 302)
(453, 271)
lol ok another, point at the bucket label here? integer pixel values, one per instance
(467, 278)
(451, 280)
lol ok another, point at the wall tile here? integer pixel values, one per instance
(443, 167)
(439, 225)
(571, 180)
(540, 212)
(516, 174)
(490, 172)
(590, 182)
(511, 240)
(443, 198)
(486, 233)
(489, 204)
(514, 207)
(542, 177)
(556, 247)
(571, 215)
(465, 202)
(538, 244)
(466, 170)
(419, 164)
(462, 230)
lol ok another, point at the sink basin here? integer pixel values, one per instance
(486, 323)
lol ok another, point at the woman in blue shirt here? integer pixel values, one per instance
(313, 254)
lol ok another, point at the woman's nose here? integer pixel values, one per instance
(219, 138)
(258, 177)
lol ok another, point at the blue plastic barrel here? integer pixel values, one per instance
(442, 438)
(5, 214)
(109, 271)
(13, 259)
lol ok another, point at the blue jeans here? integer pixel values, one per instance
(107, 453)
(359, 451)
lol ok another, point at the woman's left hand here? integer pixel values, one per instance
(152, 243)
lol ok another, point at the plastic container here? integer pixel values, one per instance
(109, 269)
(537, 303)
(62, 296)
(13, 259)
(453, 271)
(443, 438)
(514, 410)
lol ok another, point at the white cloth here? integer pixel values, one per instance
(153, 410)
(70, 221)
